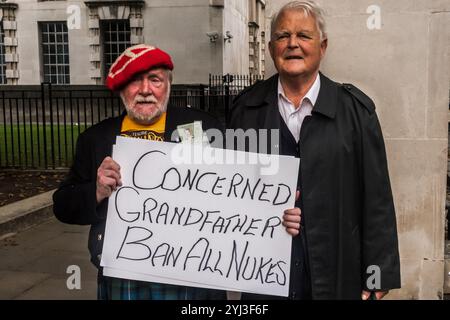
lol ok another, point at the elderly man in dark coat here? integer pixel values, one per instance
(347, 246)
(143, 75)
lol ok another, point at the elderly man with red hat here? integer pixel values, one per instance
(143, 76)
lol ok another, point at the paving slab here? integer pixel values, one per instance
(56, 289)
(34, 262)
(15, 283)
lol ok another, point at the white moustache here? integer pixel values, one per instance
(149, 99)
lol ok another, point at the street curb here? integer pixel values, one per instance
(21, 215)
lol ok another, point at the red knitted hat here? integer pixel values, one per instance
(134, 60)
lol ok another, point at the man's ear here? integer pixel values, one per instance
(271, 49)
(323, 47)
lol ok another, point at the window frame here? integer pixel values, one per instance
(54, 54)
(112, 38)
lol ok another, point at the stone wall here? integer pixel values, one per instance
(404, 66)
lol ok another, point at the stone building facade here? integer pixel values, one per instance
(74, 41)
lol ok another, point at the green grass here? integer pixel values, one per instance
(25, 145)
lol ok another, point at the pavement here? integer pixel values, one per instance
(38, 254)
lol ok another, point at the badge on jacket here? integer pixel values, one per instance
(192, 133)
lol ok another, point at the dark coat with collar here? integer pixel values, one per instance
(75, 200)
(346, 197)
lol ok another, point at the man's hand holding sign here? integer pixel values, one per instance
(108, 179)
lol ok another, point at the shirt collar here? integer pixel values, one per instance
(311, 95)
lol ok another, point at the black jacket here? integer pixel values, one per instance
(75, 200)
(346, 197)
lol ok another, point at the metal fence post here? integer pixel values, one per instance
(202, 97)
(227, 79)
(52, 132)
(43, 121)
(227, 102)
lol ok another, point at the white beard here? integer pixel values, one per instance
(147, 119)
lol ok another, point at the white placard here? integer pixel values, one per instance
(212, 225)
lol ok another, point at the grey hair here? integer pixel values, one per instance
(169, 75)
(308, 8)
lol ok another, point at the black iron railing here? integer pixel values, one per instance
(39, 125)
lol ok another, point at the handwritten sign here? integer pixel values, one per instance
(215, 225)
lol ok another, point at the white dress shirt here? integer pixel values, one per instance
(293, 117)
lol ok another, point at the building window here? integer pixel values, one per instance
(115, 39)
(55, 52)
(2, 55)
